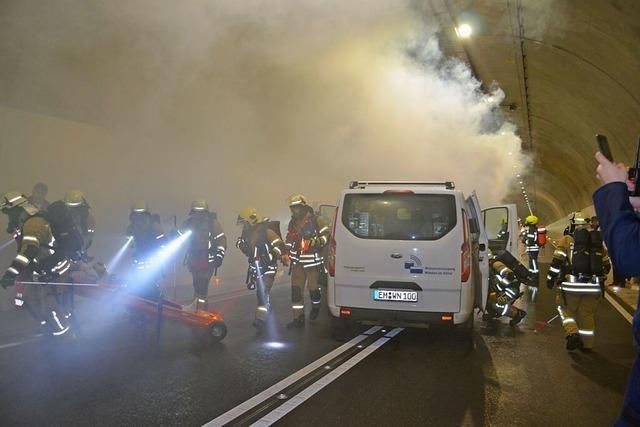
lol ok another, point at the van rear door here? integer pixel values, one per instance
(481, 246)
(398, 250)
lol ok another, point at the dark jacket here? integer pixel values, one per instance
(620, 226)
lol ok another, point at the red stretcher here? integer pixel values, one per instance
(210, 325)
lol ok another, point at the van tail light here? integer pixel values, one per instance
(447, 317)
(345, 312)
(331, 265)
(465, 250)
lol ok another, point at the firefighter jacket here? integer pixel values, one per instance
(207, 244)
(262, 245)
(530, 239)
(562, 269)
(85, 223)
(505, 285)
(36, 251)
(306, 238)
(146, 231)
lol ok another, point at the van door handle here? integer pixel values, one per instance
(396, 256)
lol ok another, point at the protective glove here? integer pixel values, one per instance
(8, 279)
(217, 261)
(550, 283)
(240, 243)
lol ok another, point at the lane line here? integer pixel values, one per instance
(274, 389)
(18, 343)
(618, 307)
(314, 388)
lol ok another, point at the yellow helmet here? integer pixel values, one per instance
(297, 200)
(199, 205)
(249, 216)
(140, 206)
(578, 218)
(12, 199)
(73, 198)
(531, 219)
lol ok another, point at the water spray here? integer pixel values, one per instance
(6, 244)
(113, 262)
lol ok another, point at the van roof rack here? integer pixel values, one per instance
(449, 185)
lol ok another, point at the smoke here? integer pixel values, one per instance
(241, 101)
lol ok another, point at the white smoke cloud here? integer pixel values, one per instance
(242, 101)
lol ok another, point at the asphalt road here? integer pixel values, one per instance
(118, 373)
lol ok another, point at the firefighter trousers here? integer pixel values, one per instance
(299, 277)
(577, 312)
(533, 265)
(201, 279)
(263, 290)
(49, 305)
(501, 308)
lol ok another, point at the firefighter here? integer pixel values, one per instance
(532, 246)
(81, 212)
(262, 244)
(579, 266)
(307, 235)
(206, 250)
(504, 290)
(145, 229)
(38, 254)
(38, 196)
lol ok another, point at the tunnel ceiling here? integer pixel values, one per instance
(569, 70)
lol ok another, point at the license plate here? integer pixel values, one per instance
(389, 295)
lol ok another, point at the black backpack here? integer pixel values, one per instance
(68, 238)
(588, 252)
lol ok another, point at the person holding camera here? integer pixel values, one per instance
(620, 224)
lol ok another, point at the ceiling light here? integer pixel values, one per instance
(464, 31)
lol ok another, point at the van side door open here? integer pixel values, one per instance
(501, 226)
(481, 247)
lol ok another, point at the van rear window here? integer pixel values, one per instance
(399, 216)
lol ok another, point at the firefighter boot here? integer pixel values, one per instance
(259, 324)
(316, 300)
(574, 342)
(296, 323)
(517, 318)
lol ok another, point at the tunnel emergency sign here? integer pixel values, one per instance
(395, 295)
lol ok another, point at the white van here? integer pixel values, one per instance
(413, 254)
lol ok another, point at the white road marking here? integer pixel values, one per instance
(618, 307)
(19, 343)
(274, 389)
(314, 388)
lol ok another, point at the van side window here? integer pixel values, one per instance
(399, 216)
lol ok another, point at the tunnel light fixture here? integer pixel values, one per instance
(464, 31)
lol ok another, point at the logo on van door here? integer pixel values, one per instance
(415, 267)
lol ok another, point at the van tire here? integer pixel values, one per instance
(465, 330)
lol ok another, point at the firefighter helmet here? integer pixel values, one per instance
(578, 218)
(73, 198)
(199, 205)
(248, 216)
(12, 199)
(531, 219)
(297, 200)
(139, 207)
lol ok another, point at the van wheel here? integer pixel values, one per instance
(465, 330)
(339, 328)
